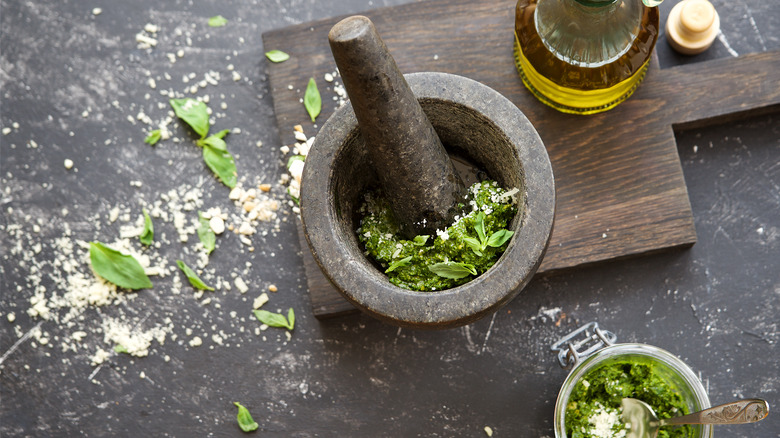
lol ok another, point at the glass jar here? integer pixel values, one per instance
(602, 351)
(584, 56)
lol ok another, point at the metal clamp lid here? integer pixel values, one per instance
(594, 338)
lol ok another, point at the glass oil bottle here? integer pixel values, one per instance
(584, 56)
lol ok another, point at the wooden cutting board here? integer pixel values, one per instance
(619, 181)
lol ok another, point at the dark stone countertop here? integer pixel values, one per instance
(75, 86)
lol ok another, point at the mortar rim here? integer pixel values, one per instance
(483, 294)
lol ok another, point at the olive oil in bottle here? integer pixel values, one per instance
(584, 56)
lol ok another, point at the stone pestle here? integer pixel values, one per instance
(414, 170)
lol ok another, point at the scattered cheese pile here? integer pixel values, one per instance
(72, 308)
(66, 292)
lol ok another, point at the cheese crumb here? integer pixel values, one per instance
(241, 285)
(603, 421)
(100, 356)
(488, 431)
(273, 288)
(259, 301)
(97, 11)
(12, 316)
(196, 341)
(217, 225)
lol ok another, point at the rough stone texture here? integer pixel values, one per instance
(412, 166)
(476, 123)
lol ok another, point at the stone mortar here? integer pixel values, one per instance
(473, 121)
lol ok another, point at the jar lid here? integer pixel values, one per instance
(692, 26)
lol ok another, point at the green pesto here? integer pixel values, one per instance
(606, 386)
(408, 262)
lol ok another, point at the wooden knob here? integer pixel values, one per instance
(692, 26)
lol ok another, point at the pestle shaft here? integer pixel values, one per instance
(414, 170)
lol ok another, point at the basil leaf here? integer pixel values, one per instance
(206, 236)
(121, 269)
(290, 319)
(479, 226)
(214, 142)
(277, 56)
(153, 137)
(195, 281)
(420, 240)
(295, 158)
(312, 100)
(499, 238)
(147, 235)
(272, 319)
(222, 164)
(221, 134)
(398, 263)
(120, 349)
(244, 418)
(217, 21)
(452, 270)
(194, 113)
(474, 245)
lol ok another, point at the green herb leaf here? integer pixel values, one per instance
(244, 418)
(479, 226)
(452, 270)
(499, 238)
(217, 21)
(214, 142)
(398, 263)
(420, 240)
(222, 164)
(275, 319)
(312, 100)
(153, 137)
(147, 235)
(121, 269)
(194, 113)
(277, 56)
(295, 158)
(291, 318)
(195, 281)
(206, 236)
(120, 349)
(474, 245)
(221, 134)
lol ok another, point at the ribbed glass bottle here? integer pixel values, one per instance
(583, 56)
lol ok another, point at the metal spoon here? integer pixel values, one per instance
(641, 421)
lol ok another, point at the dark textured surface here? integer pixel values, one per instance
(715, 304)
(478, 125)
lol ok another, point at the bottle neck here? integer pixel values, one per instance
(597, 3)
(595, 7)
(588, 33)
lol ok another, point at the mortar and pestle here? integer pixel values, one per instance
(398, 133)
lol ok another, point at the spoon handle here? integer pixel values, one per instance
(737, 412)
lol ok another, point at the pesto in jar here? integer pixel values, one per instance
(593, 409)
(462, 252)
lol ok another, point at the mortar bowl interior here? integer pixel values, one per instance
(475, 123)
